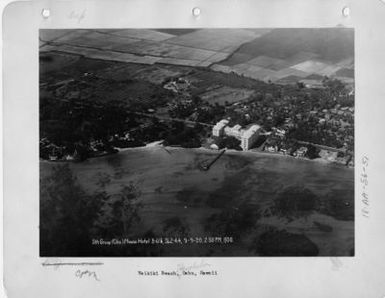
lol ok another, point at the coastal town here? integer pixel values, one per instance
(270, 122)
(197, 134)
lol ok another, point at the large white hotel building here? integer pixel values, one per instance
(247, 136)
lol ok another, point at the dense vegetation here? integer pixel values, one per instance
(88, 114)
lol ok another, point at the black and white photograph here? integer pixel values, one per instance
(210, 142)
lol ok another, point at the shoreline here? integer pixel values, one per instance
(158, 144)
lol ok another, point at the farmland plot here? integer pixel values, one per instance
(55, 62)
(301, 57)
(237, 58)
(215, 39)
(142, 34)
(313, 66)
(244, 67)
(255, 72)
(291, 72)
(345, 72)
(162, 49)
(97, 40)
(226, 94)
(101, 54)
(347, 63)
(84, 65)
(222, 68)
(62, 35)
(289, 80)
(267, 62)
(118, 72)
(175, 61)
(157, 75)
(130, 58)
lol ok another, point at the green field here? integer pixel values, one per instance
(264, 54)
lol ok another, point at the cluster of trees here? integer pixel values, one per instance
(334, 87)
(312, 152)
(187, 137)
(208, 113)
(195, 109)
(182, 107)
(73, 124)
(270, 109)
(310, 131)
(69, 121)
(228, 142)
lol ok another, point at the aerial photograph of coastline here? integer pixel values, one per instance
(196, 142)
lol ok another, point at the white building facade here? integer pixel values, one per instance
(247, 136)
(235, 131)
(218, 129)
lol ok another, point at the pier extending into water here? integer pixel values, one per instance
(207, 166)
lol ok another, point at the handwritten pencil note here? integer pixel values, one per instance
(364, 182)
